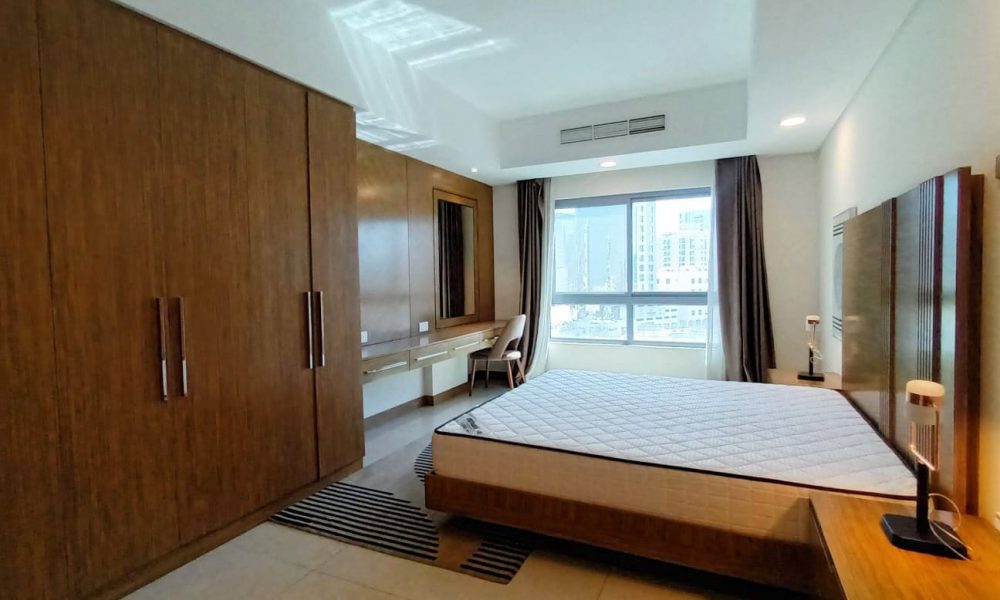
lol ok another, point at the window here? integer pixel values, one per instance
(633, 268)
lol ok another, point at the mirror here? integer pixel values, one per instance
(455, 237)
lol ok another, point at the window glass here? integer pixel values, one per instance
(675, 323)
(590, 321)
(590, 249)
(670, 244)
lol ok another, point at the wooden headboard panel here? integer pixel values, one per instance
(912, 269)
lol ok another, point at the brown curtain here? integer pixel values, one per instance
(530, 225)
(451, 260)
(744, 305)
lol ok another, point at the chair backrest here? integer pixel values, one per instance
(510, 335)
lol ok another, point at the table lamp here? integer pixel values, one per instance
(812, 322)
(919, 533)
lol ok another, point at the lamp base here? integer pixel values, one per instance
(807, 376)
(902, 531)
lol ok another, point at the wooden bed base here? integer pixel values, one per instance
(773, 562)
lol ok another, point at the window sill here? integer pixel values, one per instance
(633, 344)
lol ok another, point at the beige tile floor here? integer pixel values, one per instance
(271, 561)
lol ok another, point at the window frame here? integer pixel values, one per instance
(631, 298)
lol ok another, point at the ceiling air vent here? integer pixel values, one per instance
(576, 134)
(647, 124)
(609, 130)
(615, 129)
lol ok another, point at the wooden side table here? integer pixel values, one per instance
(863, 563)
(786, 377)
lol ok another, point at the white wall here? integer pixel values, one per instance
(642, 360)
(929, 105)
(791, 204)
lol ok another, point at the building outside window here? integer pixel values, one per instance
(633, 268)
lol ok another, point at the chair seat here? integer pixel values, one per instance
(484, 354)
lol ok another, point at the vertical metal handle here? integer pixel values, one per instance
(322, 332)
(161, 309)
(183, 333)
(309, 328)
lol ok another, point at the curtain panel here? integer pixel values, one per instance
(744, 302)
(531, 223)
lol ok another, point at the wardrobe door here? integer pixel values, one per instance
(333, 202)
(101, 131)
(32, 558)
(236, 224)
(281, 384)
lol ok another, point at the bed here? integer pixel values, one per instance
(716, 476)
(731, 461)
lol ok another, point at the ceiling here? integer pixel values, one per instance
(561, 54)
(488, 84)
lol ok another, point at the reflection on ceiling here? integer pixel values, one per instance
(420, 37)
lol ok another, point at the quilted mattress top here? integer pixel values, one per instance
(799, 435)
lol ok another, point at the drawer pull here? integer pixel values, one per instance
(469, 345)
(394, 365)
(430, 356)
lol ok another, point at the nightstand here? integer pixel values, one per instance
(786, 377)
(863, 564)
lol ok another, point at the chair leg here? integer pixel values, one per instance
(510, 375)
(520, 370)
(487, 378)
(472, 377)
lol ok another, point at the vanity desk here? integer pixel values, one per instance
(397, 356)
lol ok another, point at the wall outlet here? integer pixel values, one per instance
(364, 337)
(424, 327)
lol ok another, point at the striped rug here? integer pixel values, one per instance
(382, 508)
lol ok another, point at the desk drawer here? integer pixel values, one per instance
(428, 355)
(390, 364)
(468, 343)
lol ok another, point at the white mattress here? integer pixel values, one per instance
(737, 456)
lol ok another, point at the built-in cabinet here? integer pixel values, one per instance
(179, 291)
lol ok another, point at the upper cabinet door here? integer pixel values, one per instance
(236, 227)
(100, 98)
(32, 559)
(333, 202)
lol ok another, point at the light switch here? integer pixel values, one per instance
(424, 327)
(364, 337)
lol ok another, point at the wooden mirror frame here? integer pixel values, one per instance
(440, 323)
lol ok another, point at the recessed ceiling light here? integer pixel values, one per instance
(475, 169)
(608, 164)
(793, 121)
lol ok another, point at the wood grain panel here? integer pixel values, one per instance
(918, 295)
(32, 556)
(383, 243)
(763, 560)
(422, 180)
(961, 293)
(100, 96)
(869, 567)
(206, 228)
(333, 191)
(281, 402)
(868, 314)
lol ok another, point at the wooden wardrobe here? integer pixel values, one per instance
(179, 263)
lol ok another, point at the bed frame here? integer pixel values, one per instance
(912, 269)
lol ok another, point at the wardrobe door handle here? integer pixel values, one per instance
(181, 325)
(322, 331)
(161, 310)
(309, 329)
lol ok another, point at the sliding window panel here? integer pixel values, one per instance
(32, 559)
(333, 205)
(100, 96)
